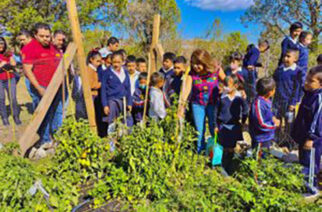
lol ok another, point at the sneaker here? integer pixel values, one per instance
(17, 120)
(5, 122)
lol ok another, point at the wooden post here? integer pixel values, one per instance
(147, 90)
(155, 42)
(27, 139)
(77, 37)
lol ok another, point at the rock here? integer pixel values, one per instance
(41, 153)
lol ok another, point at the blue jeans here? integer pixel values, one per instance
(54, 117)
(200, 112)
(10, 87)
(32, 95)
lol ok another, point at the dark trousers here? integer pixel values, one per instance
(305, 156)
(10, 87)
(99, 113)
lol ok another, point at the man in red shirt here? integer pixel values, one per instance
(40, 60)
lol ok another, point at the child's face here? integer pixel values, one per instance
(117, 62)
(235, 64)
(296, 33)
(308, 40)
(131, 67)
(231, 85)
(160, 83)
(289, 59)
(142, 82)
(96, 61)
(113, 47)
(108, 61)
(142, 67)
(312, 83)
(167, 64)
(179, 68)
(271, 93)
(263, 47)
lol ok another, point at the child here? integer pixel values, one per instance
(307, 130)
(106, 62)
(231, 108)
(116, 86)
(288, 79)
(173, 84)
(305, 40)
(139, 97)
(157, 109)
(262, 123)
(250, 63)
(291, 41)
(134, 74)
(141, 65)
(7, 83)
(167, 65)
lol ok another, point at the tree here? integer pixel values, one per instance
(281, 13)
(138, 21)
(23, 14)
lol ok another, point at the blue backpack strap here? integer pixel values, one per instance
(316, 116)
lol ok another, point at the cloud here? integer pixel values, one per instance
(223, 5)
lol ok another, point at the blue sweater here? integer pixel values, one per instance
(261, 125)
(172, 86)
(167, 74)
(288, 84)
(230, 111)
(112, 88)
(286, 44)
(303, 61)
(308, 123)
(251, 57)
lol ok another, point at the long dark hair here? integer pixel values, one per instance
(5, 45)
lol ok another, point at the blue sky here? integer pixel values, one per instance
(198, 15)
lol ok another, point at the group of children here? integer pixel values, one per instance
(226, 98)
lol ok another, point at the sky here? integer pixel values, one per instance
(198, 15)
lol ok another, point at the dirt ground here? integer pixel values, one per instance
(12, 133)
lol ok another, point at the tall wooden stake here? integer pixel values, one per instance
(155, 42)
(77, 37)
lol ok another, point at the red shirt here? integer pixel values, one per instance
(6, 75)
(45, 60)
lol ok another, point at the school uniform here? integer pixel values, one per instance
(303, 63)
(138, 105)
(134, 81)
(288, 84)
(157, 109)
(230, 112)
(287, 43)
(167, 73)
(114, 87)
(250, 76)
(8, 83)
(308, 126)
(261, 125)
(172, 86)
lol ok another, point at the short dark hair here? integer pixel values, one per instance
(180, 59)
(319, 59)
(131, 59)
(156, 77)
(59, 31)
(140, 60)
(117, 53)
(303, 35)
(296, 25)
(25, 33)
(236, 56)
(92, 54)
(5, 44)
(143, 75)
(293, 51)
(265, 85)
(169, 56)
(39, 26)
(235, 79)
(112, 40)
(316, 71)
